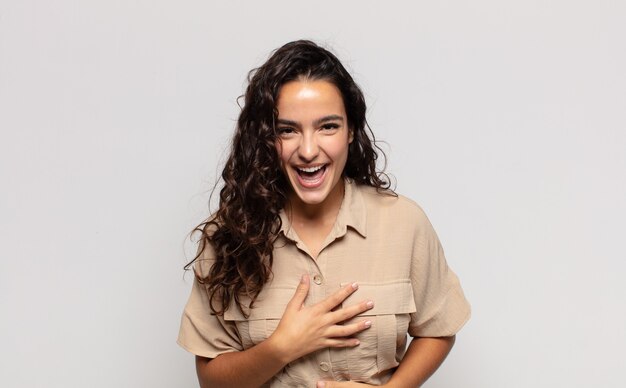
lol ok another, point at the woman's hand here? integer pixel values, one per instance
(303, 330)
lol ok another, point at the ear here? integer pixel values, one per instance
(350, 136)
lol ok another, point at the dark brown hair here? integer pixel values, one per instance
(243, 230)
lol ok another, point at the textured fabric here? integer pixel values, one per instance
(384, 243)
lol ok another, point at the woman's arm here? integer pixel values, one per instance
(421, 360)
(248, 368)
(301, 330)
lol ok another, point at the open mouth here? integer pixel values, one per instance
(311, 176)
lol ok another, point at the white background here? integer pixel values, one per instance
(504, 120)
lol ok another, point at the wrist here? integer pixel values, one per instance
(278, 350)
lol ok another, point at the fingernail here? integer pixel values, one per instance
(321, 384)
(370, 304)
(303, 279)
(355, 285)
(368, 323)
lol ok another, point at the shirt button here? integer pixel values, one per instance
(324, 366)
(317, 279)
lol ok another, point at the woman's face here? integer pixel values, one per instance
(313, 139)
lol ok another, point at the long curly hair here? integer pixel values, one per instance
(243, 230)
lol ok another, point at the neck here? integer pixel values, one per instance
(320, 212)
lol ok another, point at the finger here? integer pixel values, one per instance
(299, 296)
(350, 312)
(341, 342)
(345, 331)
(335, 299)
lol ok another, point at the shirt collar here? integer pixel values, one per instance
(352, 213)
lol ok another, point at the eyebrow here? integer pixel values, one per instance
(316, 122)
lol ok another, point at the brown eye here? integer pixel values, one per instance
(330, 126)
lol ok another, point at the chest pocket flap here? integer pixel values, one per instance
(393, 297)
(270, 304)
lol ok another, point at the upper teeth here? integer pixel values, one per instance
(310, 169)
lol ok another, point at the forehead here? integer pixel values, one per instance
(306, 98)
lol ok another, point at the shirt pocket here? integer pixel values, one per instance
(263, 318)
(384, 343)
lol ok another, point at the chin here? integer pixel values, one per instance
(311, 198)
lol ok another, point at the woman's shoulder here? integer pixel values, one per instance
(390, 201)
(395, 211)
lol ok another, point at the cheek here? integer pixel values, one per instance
(338, 150)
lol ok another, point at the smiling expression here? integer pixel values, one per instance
(313, 140)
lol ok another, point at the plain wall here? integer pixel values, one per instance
(504, 120)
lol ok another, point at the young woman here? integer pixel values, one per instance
(312, 272)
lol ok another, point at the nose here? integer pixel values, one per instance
(308, 148)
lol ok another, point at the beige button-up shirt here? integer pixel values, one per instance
(384, 243)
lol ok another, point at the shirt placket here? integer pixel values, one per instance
(320, 287)
(338, 357)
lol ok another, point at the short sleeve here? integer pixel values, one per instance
(201, 332)
(441, 306)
